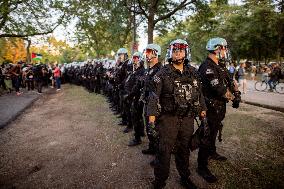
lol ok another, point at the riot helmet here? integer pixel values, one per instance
(179, 45)
(122, 54)
(219, 44)
(152, 51)
(137, 59)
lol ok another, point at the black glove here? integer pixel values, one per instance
(153, 130)
(205, 126)
(237, 99)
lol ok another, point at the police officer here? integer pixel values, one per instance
(120, 77)
(151, 53)
(217, 90)
(173, 103)
(99, 70)
(134, 92)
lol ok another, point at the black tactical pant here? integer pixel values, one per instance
(153, 141)
(92, 85)
(174, 136)
(98, 86)
(137, 119)
(123, 106)
(215, 116)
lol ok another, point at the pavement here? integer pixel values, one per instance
(12, 106)
(270, 100)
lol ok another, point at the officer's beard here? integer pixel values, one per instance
(178, 61)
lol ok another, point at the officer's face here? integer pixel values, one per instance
(178, 54)
(223, 51)
(150, 55)
(135, 62)
(121, 57)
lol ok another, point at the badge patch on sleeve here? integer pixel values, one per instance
(157, 79)
(209, 71)
(214, 82)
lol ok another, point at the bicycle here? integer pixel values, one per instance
(278, 86)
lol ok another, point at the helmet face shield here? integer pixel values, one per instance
(150, 54)
(150, 51)
(224, 53)
(135, 58)
(122, 57)
(178, 46)
(181, 48)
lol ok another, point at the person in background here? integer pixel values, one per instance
(2, 78)
(265, 73)
(275, 75)
(241, 75)
(57, 77)
(16, 74)
(29, 75)
(253, 72)
(232, 70)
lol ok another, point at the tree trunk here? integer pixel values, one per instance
(28, 59)
(151, 26)
(151, 21)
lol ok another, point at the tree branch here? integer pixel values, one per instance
(134, 11)
(141, 8)
(35, 33)
(179, 7)
(8, 10)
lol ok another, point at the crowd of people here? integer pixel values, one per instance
(14, 77)
(270, 73)
(164, 100)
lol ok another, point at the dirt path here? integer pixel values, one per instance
(71, 140)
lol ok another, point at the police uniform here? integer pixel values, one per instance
(214, 90)
(120, 78)
(136, 105)
(147, 87)
(175, 99)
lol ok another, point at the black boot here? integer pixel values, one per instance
(122, 123)
(135, 142)
(187, 183)
(149, 151)
(157, 185)
(205, 173)
(154, 163)
(127, 130)
(218, 157)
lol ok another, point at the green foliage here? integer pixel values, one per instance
(28, 18)
(102, 27)
(253, 30)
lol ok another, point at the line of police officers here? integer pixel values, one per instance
(166, 100)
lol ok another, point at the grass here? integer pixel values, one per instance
(252, 141)
(255, 148)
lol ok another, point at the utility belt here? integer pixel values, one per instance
(214, 103)
(168, 106)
